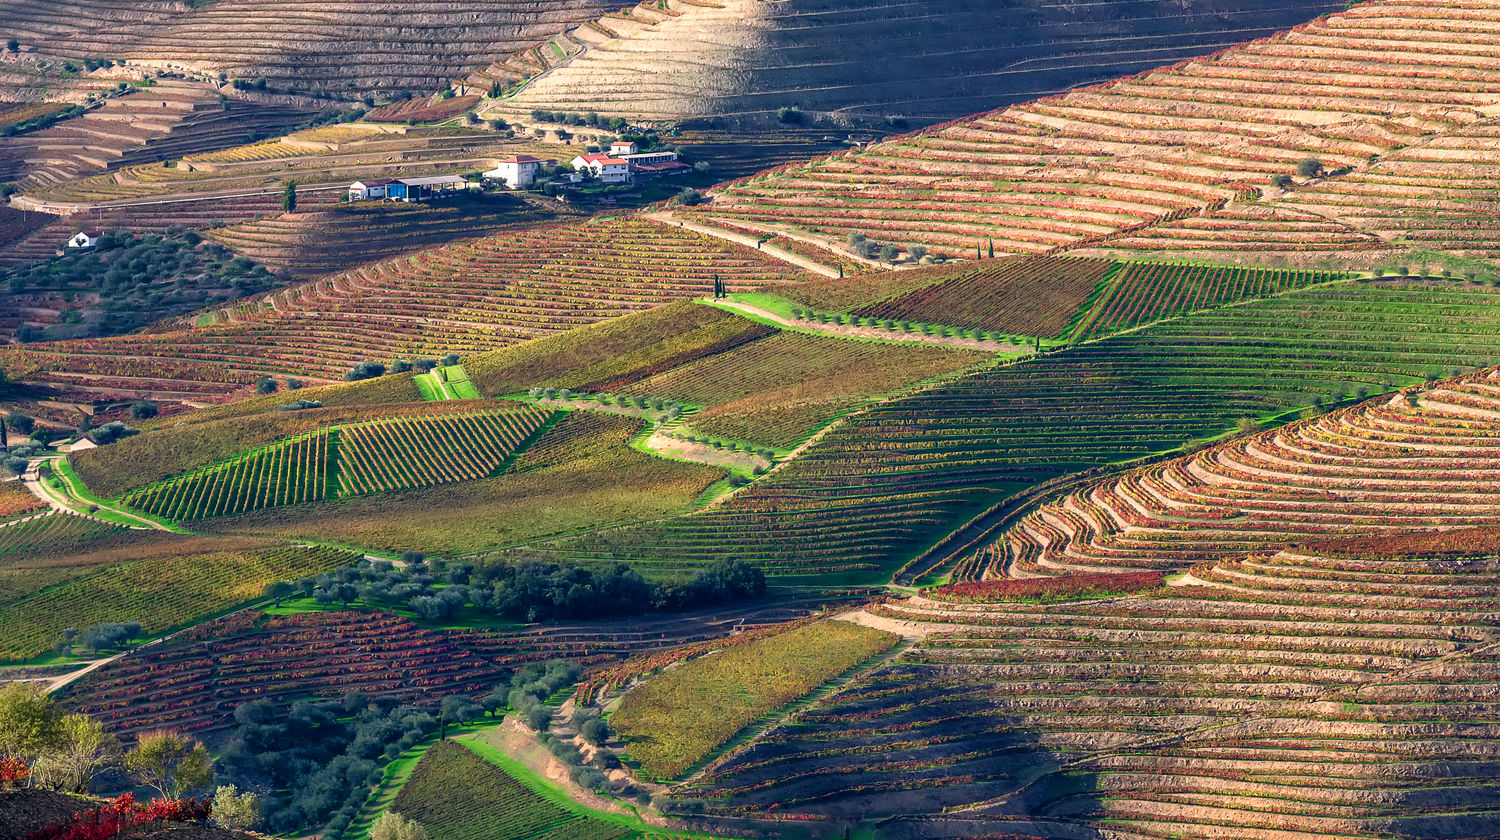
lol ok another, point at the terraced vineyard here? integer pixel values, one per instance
(675, 60)
(1319, 693)
(152, 217)
(462, 298)
(319, 158)
(195, 685)
(1400, 84)
(1037, 296)
(1438, 194)
(319, 242)
(1413, 462)
(1242, 231)
(142, 125)
(340, 49)
(885, 484)
(195, 682)
(167, 590)
(779, 389)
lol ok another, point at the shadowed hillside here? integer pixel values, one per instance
(926, 61)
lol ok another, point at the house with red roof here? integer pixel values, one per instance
(516, 171)
(608, 170)
(370, 189)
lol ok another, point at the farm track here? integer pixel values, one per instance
(73, 503)
(798, 260)
(60, 208)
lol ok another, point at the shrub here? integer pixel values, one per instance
(234, 810)
(110, 432)
(594, 731)
(393, 826)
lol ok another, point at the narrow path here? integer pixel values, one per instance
(62, 681)
(851, 331)
(73, 502)
(66, 208)
(798, 260)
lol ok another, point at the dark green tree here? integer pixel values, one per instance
(289, 197)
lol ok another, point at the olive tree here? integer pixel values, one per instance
(169, 763)
(392, 826)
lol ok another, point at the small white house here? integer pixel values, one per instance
(85, 239)
(367, 190)
(608, 170)
(517, 171)
(622, 148)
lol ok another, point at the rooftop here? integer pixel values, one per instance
(432, 180)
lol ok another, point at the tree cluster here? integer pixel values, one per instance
(316, 762)
(591, 774)
(529, 688)
(588, 118)
(364, 370)
(67, 752)
(139, 279)
(110, 432)
(870, 249)
(16, 457)
(541, 591)
(98, 638)
(299, 405)
(530, 590)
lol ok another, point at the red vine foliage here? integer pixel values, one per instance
(121, 814)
